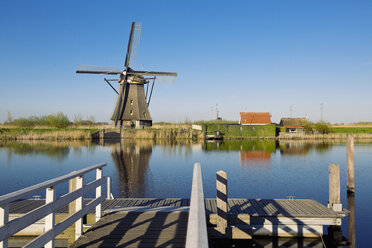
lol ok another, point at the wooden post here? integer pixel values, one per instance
(221, 185)
(4, 218)
(79, 206)
(98, 194)
(72, 187)
(350, 163)
(50, 196)
(351, 219)
(334, 188)
(108, 188)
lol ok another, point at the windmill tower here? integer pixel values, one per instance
(132, 102)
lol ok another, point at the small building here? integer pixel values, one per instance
(293, 125)
(254, 118)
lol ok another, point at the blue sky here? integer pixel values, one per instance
(240, 55)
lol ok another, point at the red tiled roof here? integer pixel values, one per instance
(255, 118)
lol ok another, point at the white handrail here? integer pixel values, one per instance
(20, 194)
(197, 235)
(8, 228)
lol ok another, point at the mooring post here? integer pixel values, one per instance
(334, 188)
(351, 219)
(350, 163)
(221, 185)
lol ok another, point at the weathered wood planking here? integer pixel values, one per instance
(260, 217)
(137, 229)
(252, 207)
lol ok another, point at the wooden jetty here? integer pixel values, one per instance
(214, 136)
(152, 222)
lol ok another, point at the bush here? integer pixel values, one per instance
(322, 128)
(58, 120)
(309, 128)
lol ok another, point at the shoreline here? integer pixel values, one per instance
(181, 132)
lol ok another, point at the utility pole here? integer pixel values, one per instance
(216, 112)
(290, 111)
(321, 112)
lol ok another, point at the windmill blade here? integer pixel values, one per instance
(135, 44)
(135, 32)
(163, 79)
(155, 73)
(93, 69)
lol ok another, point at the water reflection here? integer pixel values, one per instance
(241, 145)
(131, 160)
(55, 150)
(248, 158)
(302, 148)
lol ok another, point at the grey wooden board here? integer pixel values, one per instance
(274, 208)
(137, 229)
(252, 207)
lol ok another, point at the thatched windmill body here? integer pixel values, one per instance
(132, 103)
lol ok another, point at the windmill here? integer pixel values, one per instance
(132, 102)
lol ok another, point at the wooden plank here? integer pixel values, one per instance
(137, 230)
(259, 211)
(288, 209)
(246, 207)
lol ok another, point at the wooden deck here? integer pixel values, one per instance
(151, 222)
(137, 229)
(252, 207)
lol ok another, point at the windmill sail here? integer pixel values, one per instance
(94, 69)
(135, 44)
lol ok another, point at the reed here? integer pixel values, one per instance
(44, 134)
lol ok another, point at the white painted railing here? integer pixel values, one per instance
(197, 235)
(8, 228)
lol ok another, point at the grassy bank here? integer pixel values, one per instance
(162, 133)
(181, 131)
(234, 131)
(352, 130)
(331, 136)
(15, 133)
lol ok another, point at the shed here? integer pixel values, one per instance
(293, 125)
(254, 118)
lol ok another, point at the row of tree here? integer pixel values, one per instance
(318, 127)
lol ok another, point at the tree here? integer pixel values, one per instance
(308, 128)
(322, 127)
(92, 119)
(78, 119)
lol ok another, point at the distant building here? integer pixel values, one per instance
(293, 125)
(254, 118)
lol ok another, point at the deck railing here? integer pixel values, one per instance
(197, 235)
(52, 204)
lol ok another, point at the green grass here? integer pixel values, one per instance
(351, 129)
(241, 131)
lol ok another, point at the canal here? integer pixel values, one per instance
(160, 169)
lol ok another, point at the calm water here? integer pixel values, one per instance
(256, 169)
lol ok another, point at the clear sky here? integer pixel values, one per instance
(241, 55)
